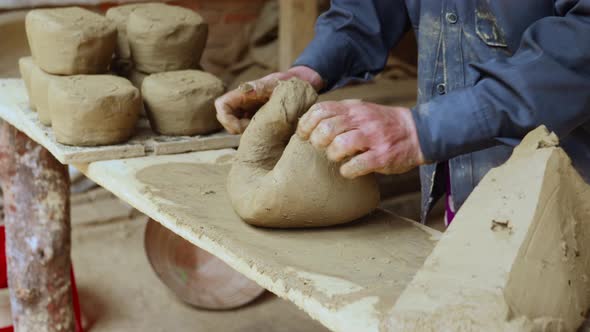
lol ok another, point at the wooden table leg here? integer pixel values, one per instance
(37, 217)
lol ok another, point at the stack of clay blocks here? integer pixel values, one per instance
(67, 77)
(155, 38)
(158, 49)
(62, 45)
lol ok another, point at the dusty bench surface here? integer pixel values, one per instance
(347, 277)
(14, 109)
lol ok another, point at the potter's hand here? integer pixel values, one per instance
(379, 138)
(235, 108)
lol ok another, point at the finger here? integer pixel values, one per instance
(244, 124)
(266, 85)
(346, 144)
(317, 113)
(263, 87)
(237, 104)
(327, 129)
(255, 92)
(360, 165)
(225, 113)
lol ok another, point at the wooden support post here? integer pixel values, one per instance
(296, 23)
(36, 203)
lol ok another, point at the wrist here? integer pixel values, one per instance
(309, 75)
(418, 156)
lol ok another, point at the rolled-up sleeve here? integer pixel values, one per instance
(547, 81)
(353, 38)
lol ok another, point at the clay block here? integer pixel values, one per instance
(517, 255)
(70, 41)
(89, 110)
(39, 93)
(119, 15)
(25, 66)
(165, 38)
(181, 102)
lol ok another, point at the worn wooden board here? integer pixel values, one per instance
(347, 277)
(14, 109)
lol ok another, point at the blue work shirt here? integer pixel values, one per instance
(489, 71)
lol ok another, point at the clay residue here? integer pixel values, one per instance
(375, 257)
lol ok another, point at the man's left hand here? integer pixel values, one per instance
(376, 138)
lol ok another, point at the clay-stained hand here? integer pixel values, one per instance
(236, 107)
(374, 138)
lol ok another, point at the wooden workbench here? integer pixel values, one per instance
(511, 239)
(14, 109)
(347, 277)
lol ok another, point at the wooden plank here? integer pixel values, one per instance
(516, 257)
(296, 23)
(14, 109)
(346, 277)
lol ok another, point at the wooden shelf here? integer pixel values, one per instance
(347, 277)
(14, 109)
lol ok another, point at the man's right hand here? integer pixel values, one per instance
(236, 107)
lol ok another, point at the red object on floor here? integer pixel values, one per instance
(3, 272)
(4, 284)
(76, 302)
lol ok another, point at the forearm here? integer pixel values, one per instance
(545, 82)
(353, 39)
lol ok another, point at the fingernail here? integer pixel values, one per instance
(346, 172)
(246, 87)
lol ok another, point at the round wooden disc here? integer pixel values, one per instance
(193, 274)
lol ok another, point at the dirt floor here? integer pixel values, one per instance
(120, 292)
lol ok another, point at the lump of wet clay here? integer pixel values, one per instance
(40, 81)
(90, 110)
(279, 180)
(165, 38)
(25, 66)
(182, 102)
(70, 41)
